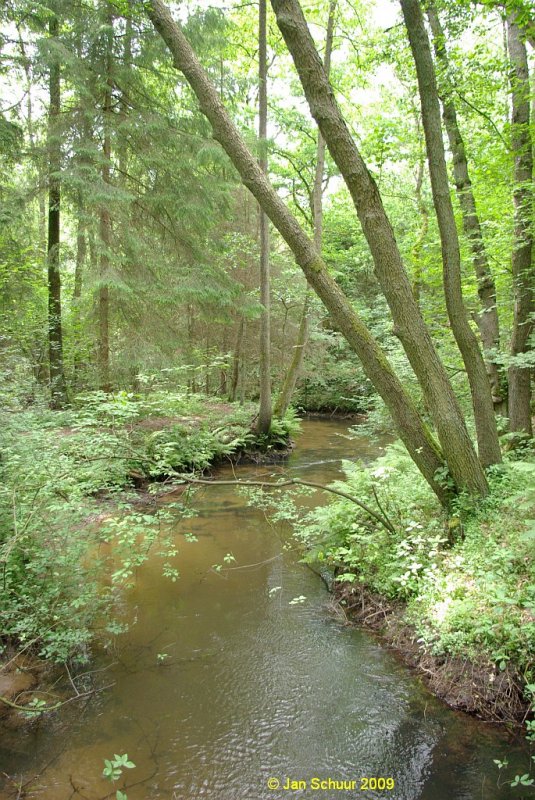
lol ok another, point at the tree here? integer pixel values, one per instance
(487, 432)
(466, 472)
(523, 275)
(409, 325)
(264, 411)
(58, 387)
(487, 319)
(105, 217)
(296, 363)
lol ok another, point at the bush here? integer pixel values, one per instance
(470, 598)
(55, 469)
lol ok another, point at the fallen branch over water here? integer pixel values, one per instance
(43, 709)
(382, 520)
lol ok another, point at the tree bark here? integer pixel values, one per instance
(411, 428)
(409, 325)
(236, 361)
(416, 253)
(483, 407)
(298, 357)
(487, 319)
(81, 251)
(105, 226)
(58, 386)
(263, 424)
(523, 273)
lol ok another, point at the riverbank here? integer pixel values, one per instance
(236, 660)
(474, 685)
(453, 594)
(70, 510)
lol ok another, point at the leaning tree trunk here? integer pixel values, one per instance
(409, 325)
(409, 424)
(483, 407)
(58, 387)
(416, 252)
(487, 319)
(263, 424)
(298, 357)
(523, 274)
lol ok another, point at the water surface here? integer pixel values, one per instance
(222, 684)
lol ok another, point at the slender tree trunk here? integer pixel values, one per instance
(487, 432)
(298, 357)
(58, 387)
(487, 319)
(81, 251)
(264, 413)
(236, 361)
(416, 253)
(409, 424)
(409, 325)
(243, 364)
(292, 373)
(207, 368)
(523, 273)
(122, 154)
(105, 227)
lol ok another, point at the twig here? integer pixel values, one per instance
(250, 566)
(42, 710)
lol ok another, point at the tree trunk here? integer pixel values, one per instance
(81, 251)
(416, 253)
(483, 407)
(105, 227)
(487, 319)
(263, 424)
(523, 276)
(242, 368)
(408, 422)
(122, 154)
(58, 387)
(298, 357)
(292, 373)
(236, 361)
(409, 325)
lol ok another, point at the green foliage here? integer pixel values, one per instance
(482, 598)
(475, 597)
(113, 770)
(344, 536)
(56, 468)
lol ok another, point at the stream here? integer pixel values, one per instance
(221, 686)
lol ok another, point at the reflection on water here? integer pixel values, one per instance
(223, 688)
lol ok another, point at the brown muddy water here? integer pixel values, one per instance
(223, 688)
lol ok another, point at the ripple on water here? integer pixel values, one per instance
(253, 687)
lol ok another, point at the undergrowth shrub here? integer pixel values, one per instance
(470, 598)
(56, 470)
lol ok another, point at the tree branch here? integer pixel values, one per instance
(297, 482)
